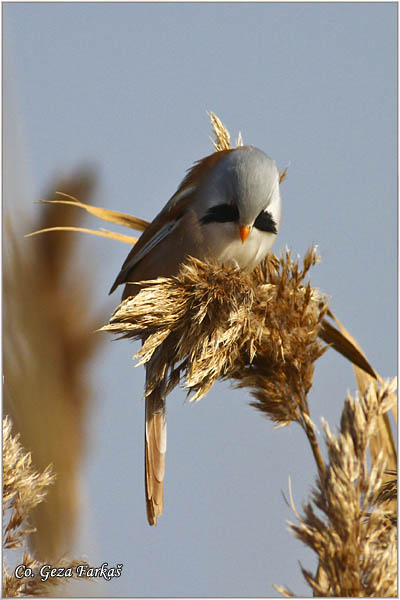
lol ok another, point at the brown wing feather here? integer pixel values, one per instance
(152, 229)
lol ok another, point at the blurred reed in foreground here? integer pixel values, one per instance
(48, 340)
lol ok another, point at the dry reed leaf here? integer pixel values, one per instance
(48, 341)
(105, 214)
(343, 524)
(119, 237)
(345, 345)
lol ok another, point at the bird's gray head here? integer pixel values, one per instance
(247, 179)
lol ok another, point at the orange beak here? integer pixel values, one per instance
(244, 232)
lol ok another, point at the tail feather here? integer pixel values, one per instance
(155, 448)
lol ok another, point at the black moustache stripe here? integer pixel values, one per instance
(221, 213)
(228, 213)
(265, 222)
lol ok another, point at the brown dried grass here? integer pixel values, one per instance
(383, 439)
(211, 321)
(345, 524)
(23, 490)
(259, 329)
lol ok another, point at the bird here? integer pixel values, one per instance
(226, 209)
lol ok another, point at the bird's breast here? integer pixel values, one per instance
(224, 244)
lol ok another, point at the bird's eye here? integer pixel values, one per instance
(221, 213)
(265, 222)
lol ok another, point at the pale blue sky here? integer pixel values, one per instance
(125, 87)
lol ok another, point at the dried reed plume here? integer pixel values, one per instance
(222, 137)
(23, 490)
(354, 539)
(48, 340)
(212, 321)
(23, 487)
(259, 329)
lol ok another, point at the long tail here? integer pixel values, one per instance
(155, 448)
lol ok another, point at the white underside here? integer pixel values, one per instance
(227, 247)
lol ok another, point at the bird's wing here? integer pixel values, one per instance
(168, 219)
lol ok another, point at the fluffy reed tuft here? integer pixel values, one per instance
(354, 539)
(222, 137)
(23, 489)
(259, 329)
(35, 586)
